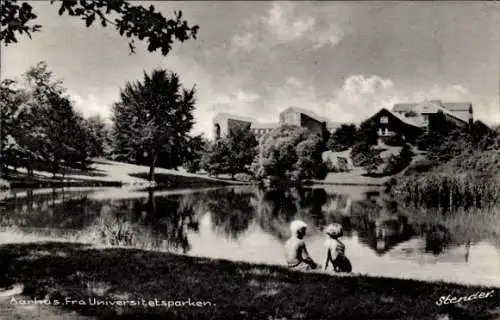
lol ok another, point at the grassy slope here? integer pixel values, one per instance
(237, 290)
(117, 173)
(358, 175)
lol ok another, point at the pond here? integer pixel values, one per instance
(246, 223)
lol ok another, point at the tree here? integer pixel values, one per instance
(310, 162)
(342, 138)
(232, 154)
(132, 21)
(364, 155)
(290, 152)
(367, 132)
(198, 146)
(12, 99)
(242, 149)
(396, 164)
(214, 160)
(96, 136)
(49, 130)
(153, 119)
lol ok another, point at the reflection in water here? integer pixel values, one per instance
(238, 216)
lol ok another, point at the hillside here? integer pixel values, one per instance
(105, 172)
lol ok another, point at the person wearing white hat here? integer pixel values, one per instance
(336, 249)
(296, 254)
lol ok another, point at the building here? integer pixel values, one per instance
(260, 129)
(460, 113)
(224, 123)
(304, 118)
(390, 124)
(409, 120)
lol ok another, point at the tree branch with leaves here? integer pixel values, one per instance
(135, 22)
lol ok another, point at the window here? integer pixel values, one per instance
(384, 120)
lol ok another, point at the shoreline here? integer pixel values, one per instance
(235, 289)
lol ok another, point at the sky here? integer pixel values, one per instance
(341, 60)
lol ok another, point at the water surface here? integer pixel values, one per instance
(250, 224)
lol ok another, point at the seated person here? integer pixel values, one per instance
(335, 253)
(296, 253)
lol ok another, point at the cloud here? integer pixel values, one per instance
(245, 42)
(363, 95)
(91, 105)
(284, 23)
(330, 36)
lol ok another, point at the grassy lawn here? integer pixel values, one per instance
(112, 173)
(234, 290)
(354, 177)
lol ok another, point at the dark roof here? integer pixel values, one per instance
(452, 106)
(457, 106)
(417, 122)
(459, 110)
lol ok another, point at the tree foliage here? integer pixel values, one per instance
(132, 21)
(342, 138)
(364, 155)
(367, 132)
(152, 121)
(198, 146)
(97, 136)
(231, 154)
(40, 127)
(291, 152)
(396, 164)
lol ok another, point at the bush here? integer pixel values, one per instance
(342, 138)
(330, 166)
(364, 155)
(322, 171)
(395, 141)
(340, 164)
(367, 132)
(192, 166)
(396, 164)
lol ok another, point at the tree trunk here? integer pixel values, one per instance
(152, 204)
(54, 168)
(152, 167)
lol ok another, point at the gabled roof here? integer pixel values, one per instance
(404, 107)
(417, 121)
(426, 107)
(226, 116)
(458, 110)
(457, 106)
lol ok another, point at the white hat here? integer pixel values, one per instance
(296, 225)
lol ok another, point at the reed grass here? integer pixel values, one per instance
(464, 225)
(448, 191)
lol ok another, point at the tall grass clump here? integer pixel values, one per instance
(447, 191)
(464, 225)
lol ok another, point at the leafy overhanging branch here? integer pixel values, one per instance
(132, 21)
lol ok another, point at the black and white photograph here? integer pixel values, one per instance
(263, 160)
